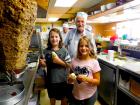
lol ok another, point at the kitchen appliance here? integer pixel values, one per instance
(16, 85)
(10, 95)
(107, 87)
(11, 87)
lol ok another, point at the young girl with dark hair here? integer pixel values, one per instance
(57, 60)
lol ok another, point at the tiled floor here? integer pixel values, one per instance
(44, 100)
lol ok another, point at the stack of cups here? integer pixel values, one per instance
(110, 55)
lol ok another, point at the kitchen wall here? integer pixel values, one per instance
(46, 26)
(44, 29)
(104, 29)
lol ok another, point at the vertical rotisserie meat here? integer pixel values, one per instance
(17, 19)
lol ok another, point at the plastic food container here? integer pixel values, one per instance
(103, 8)
(110, 5)
(110, 55)
(96, 12)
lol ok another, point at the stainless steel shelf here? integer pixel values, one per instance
(134, 4)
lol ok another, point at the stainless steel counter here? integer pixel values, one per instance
(28, 80)
(130, 63)
(112, 81)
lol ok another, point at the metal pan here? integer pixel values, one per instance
(10, 95)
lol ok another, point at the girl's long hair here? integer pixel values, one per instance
(90, 45)
(49, 45)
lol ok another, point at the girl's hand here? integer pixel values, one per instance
(82, 78)
(53, 54)
(42, 62)
(55, 58)
(71, 78)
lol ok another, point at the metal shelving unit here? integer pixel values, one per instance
(128, 74)
(131, 4)
(129, 94)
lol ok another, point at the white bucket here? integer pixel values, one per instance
(110, 55)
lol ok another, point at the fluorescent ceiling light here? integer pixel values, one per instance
(52, 19)
(64, 3)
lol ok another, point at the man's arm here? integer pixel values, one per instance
(90, 31)
(66, 40)
(93, 42)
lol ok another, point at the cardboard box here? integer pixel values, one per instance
(135, 87)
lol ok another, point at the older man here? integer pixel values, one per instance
(74, 35)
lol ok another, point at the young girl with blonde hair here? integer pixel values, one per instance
(86, 74)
